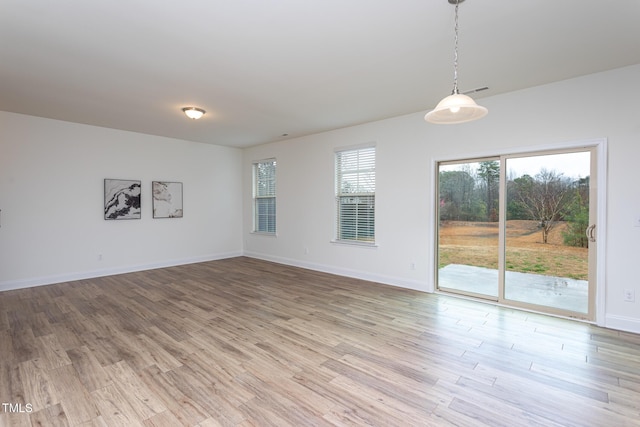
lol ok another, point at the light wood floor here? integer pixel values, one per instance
(242, 342)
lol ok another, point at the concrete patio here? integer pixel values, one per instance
(558, 292)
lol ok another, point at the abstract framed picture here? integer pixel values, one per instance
(122, 199)
(167, 199)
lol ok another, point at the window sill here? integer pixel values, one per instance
(264, 233)
(372, 245)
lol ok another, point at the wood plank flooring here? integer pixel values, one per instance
(243, 342)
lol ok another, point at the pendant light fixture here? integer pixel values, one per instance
(457, 107)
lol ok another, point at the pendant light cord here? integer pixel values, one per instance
(455, 53)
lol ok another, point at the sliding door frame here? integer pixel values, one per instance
(599, 146)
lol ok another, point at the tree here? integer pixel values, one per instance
(578, 216)
(545, 198)
(459, 197)
(456, 195)
(490, 174)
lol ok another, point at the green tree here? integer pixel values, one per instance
(489, 172)
(577, 216)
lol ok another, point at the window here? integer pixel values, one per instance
(264, 196)
(355, 194)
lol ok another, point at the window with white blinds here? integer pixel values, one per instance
(355, 194)
(264, 196)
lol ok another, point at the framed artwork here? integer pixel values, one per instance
(122, 199)
(167, 199)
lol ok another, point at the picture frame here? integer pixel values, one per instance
(122, 199)
(167, 199)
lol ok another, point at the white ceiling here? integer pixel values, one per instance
(263, 68)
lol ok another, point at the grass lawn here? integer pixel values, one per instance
(476, 243)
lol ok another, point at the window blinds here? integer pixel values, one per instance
(355, 194)
(265, 196)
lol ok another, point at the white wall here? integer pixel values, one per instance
(51, 196)
(51, 191)
(586, 108)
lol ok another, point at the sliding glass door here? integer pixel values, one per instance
(518, 230)
(469, 227)
(547, 243)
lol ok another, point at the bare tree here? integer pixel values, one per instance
(456, 195)
(545, 198)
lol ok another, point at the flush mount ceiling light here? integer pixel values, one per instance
(457, 107)
(193, 112)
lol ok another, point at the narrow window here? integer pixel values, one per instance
(264, 196)
(355, 195)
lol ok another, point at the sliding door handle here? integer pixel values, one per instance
(591, 233)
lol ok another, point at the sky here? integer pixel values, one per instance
(571, 165)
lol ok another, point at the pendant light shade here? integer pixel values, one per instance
(457, 107)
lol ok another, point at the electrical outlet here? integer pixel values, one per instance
(629, 295)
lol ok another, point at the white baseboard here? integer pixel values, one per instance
(622, 323)
(48, 280)
(356, 274)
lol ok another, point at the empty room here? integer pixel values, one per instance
(319, 213)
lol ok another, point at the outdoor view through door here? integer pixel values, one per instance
(515, 229)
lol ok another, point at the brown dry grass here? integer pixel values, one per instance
(476, 243)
